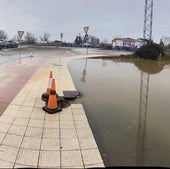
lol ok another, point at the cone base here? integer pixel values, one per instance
(51, 111)
(45, 97)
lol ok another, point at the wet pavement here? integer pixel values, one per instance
(29, 137)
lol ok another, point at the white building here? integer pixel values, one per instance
(126, 43)
(92, 40)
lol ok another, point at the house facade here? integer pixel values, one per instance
(126, 43)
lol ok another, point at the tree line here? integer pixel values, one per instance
(29, 37)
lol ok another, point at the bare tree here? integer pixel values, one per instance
(30, 38)
(45, 37)
(16, 38)
(3, 35)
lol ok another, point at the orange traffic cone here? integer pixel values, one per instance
(49, 83)
(45, 96)
(52, 106)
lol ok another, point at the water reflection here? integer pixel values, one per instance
(83, 79)
(150, 67)
(117, 105)
(143, 104)
(147, 68)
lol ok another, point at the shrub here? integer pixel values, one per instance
(151, 51)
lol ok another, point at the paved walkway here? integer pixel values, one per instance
(29, 137)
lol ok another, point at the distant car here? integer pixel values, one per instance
(2, 44)
(11, 44)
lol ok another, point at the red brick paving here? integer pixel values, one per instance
(23, 72)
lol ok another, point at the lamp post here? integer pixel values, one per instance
(86, 28)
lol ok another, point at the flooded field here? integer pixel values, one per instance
(127, 104)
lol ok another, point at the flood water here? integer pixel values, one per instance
(7, 55)
(128, 109)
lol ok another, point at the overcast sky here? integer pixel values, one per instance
(106, 18)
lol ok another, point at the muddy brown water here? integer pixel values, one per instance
(128, 109)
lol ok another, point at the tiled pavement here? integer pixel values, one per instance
(29, 137)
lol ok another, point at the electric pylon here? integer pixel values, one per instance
(147, 31)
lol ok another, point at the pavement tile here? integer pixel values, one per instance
(91, 156)
(51, 124)
(10, 112)
(31, 143)
(38, 110)
(4, 164)
(13, 107)
(74, 167)
(51, 133)
(2, 135)
(70, 84)
(20, 121)
(80, 117)
(50, 144)
(100, 165)
(51, 117)
(4, 127)
(17, 130)
(18, 101)
(87, 143)
(33, 132)
(29, 99)
(67, 124)
(27, 109)
(68, 110)
(84, 132)
(49, 159)
(24, 166)
(23, 114)
(77, 106)
(28, 103)
(27, 157)
(33, 94)
(66, 117)
(78, 111)
(38, 116)
(6, 119)
(35, 123)
(39, 104)
(68, 133)
(22, 93)
(12, 140)
(82, 124)
(71, 159)
(8, 153)
(70, 144)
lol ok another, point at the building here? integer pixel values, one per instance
(126, 43)
(91, 40)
